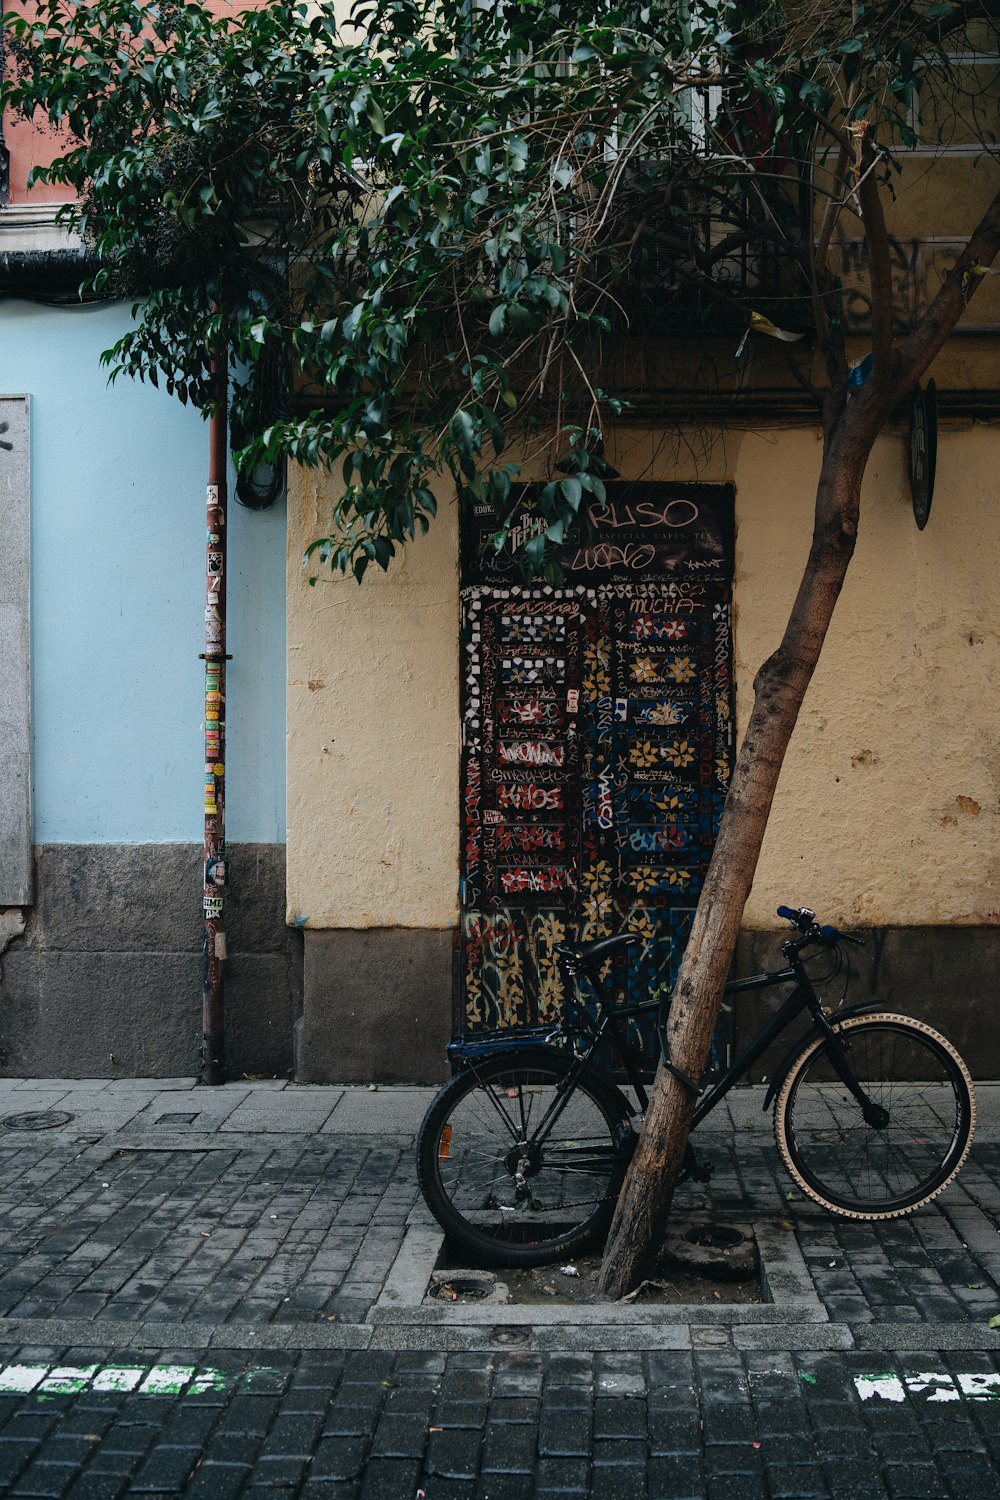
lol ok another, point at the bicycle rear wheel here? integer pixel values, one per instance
(867, 1171)
(507, 1197)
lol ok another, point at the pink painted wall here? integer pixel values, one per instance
(31, 144)
(34, 144)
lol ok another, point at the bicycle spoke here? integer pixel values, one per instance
(489, 1094)
(498, 1181)
(852, 1164)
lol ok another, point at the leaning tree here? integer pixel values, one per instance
(427, 235)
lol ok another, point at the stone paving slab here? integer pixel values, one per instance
(397, 1110)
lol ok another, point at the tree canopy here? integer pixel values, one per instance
(438, 219)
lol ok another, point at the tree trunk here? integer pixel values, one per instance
(779, 689)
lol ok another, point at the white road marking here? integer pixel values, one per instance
(933, 1384)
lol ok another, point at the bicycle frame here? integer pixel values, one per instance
(609, 1026)
(802, 998)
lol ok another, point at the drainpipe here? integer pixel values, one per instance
(214, 657)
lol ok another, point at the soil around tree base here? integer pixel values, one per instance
(669, 1285)
(695, 1270)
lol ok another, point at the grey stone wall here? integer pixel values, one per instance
(946, 976)
(376, 1006)
(106, 979)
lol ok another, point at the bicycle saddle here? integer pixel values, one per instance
(588, 953)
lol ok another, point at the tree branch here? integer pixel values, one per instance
(960, 285)
(879, 257)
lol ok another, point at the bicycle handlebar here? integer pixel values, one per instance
(805, 920)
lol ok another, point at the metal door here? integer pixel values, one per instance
(597, 746)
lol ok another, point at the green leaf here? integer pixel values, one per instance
(497, 434)
(375, 116)
(463, 434)
(384, 552)
(462, 431)
(572, 492)
(499, 488)
(534, 551)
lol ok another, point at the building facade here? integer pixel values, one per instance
(885, 819)
(473, 767)
(103, 696)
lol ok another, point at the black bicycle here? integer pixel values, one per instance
(522, 1154)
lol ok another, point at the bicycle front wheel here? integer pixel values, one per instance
(499, 1182)
(925, 1116)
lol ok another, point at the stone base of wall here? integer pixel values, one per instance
(106, 981)
(377, 1006)
(946, 976)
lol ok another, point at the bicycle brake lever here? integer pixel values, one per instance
(831, 936)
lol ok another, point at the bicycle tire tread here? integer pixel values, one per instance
(814, 1044)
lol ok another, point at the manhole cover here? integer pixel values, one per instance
(43, 1119)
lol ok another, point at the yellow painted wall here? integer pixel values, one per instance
(887, 809)
(373, 730)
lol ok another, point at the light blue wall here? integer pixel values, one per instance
(118, 537)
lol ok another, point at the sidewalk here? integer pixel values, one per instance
(273, 1215)
(236, 1279)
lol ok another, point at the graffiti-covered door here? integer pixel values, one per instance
(597, 745)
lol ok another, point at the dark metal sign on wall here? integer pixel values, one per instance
(597, 744)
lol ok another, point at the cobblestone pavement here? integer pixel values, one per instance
(388, 1426)
(291, 1229)
(219, 1292)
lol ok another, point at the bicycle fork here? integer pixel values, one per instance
(873, 1114)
